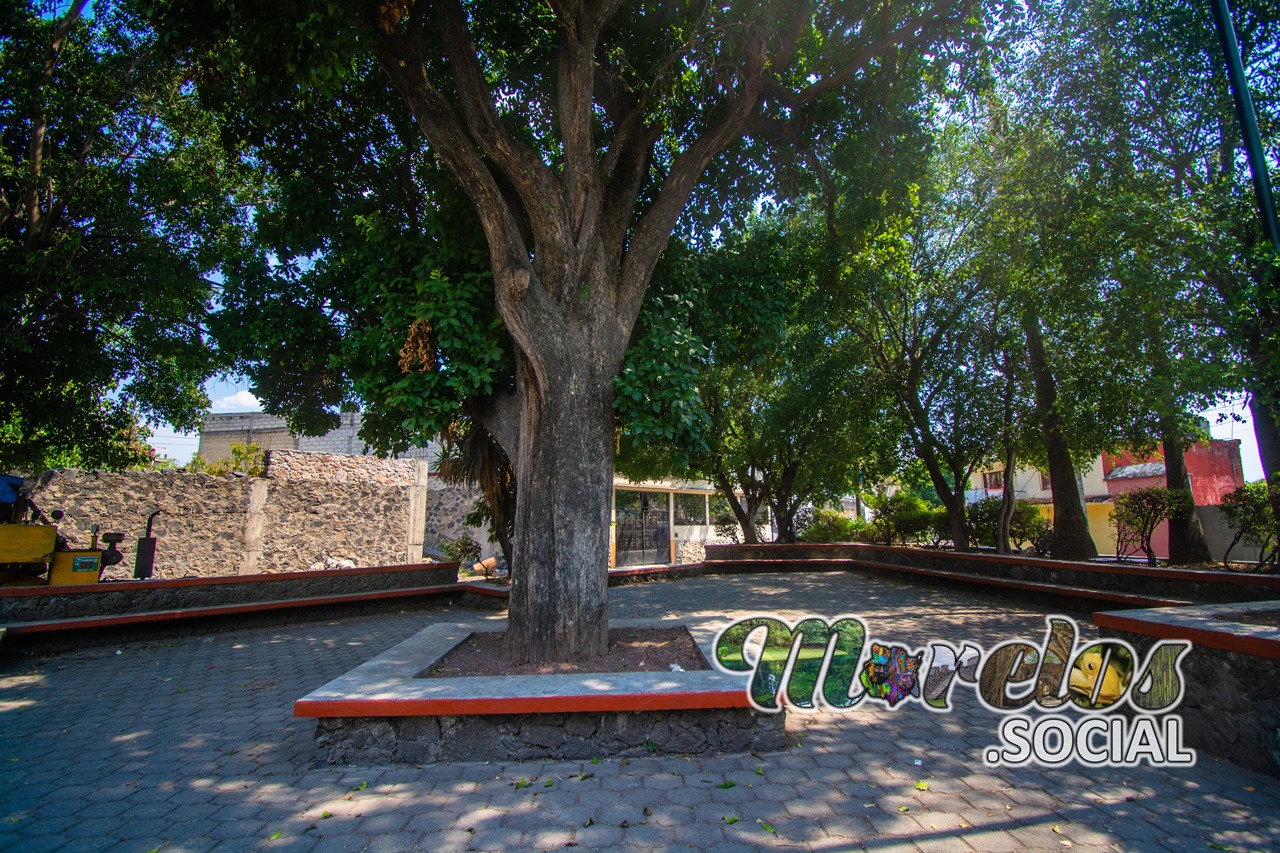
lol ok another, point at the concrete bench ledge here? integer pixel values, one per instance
(1210, 626)
(387, 711)
(86, 622)
(1029, 586)
(837, 564)
(155, 600)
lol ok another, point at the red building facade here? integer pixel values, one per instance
(1213, 467)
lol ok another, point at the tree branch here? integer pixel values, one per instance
(654, 229)
(520, 298)
(35, 148)
(532, 179)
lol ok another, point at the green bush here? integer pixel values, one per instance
(901, 518)
(463, 549)
(1138, 513)
(827, 525)
(248, 459)
(1248, 511)
(1028, 524)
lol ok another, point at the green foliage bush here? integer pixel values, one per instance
(827, 525)
(247, 459)
(1248, 511)
(1028, 524)
(1138, 513)
(464, 549)
(901, 518)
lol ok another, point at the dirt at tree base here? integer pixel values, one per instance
(630, 650)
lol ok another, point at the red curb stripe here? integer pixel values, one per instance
(170, 583)
(1263, 647)
(684, 701)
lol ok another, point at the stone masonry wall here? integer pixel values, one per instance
(447, 506)
(308, 508)
(571, 736)
(200, 528)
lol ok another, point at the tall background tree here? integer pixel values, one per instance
(117, 206)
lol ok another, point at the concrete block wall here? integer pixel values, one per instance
(269, 432)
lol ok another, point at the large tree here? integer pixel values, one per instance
(579, 132)
(923, 313)
(1136, 92)
(116, 205)
(759, 393)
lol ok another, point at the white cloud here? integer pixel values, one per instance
(241, 401)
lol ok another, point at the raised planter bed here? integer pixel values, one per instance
(387, 711)
(1231, 707)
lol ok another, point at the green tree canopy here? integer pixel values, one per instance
(581, 134)
(117, 204)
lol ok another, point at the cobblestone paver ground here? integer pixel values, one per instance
(189, 744)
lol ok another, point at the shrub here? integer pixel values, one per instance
(464, 549)
(1138, 513)
(1248, 511)
(248, 459)
(900, 518)
(1027, 525)
(827, 525)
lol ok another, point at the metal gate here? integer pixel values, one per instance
(643, 528)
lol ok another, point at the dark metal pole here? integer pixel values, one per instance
(1248, 122)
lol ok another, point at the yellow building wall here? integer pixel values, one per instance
(1100, 527)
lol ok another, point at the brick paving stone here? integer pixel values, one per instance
(994, 841)
(941, 843)
(136, 765)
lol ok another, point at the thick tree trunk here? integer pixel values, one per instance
(745, 516)
(1187, 544)
(784, 504)
(952, 500)
(1071, 539)
(957, 523)
(559, 608)
(1267, 432)
(1007, 500)
(1266, 429)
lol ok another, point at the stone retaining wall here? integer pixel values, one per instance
(1231, 708)
(25, 604)
(308, 509)
(568, 736)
